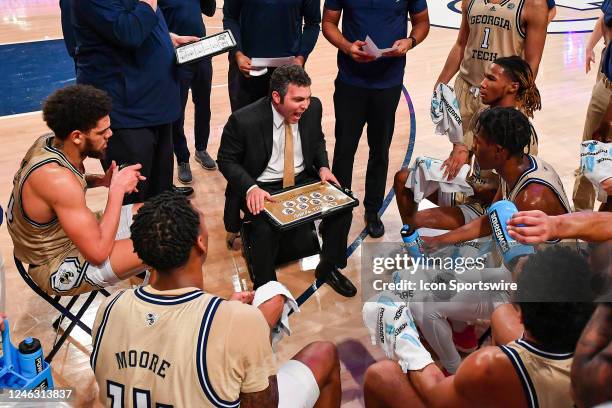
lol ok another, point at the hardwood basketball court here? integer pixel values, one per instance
(565, 91)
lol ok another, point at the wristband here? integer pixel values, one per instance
(414, 42)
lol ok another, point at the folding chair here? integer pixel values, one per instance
(65, 311)
(295, 244)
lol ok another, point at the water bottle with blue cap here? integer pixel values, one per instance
(499, 214)
(30, 357)
(412, 242)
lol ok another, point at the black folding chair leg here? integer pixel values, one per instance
(58, 344)
(56, 324)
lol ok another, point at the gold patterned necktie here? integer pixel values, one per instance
(289, 169)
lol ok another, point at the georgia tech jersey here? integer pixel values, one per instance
(35, 243)
(495, 31)
(545, 376)
(179, 348)
(538, 172)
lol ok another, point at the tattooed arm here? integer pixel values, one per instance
(592, 365)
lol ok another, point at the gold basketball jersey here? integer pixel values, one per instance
(35, 243)
(545, 376)
(495, 31)
(538, 172)
(179, 348)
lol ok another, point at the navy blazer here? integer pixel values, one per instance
(124, 48)
(246, 143)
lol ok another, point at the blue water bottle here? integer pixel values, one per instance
(30, 357)
(412, 242)
(499, 214)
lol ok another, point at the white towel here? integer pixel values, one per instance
(596, 164)
(427, 176)
(445, 113)
(268, 291)
(391, 325)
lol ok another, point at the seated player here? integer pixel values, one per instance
(529, 182)
(171, 344)
(69, 248)
(533, 371)
(502, 135)
(508, 82)
(251, 157)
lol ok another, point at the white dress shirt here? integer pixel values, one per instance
(275, 168)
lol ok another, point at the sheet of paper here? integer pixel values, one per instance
(256, 71)
(271, 62)
(373, 49)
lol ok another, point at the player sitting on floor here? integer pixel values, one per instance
(529, 182)
(172, 343)
(508, 83)
(69, 248)
(533, 371)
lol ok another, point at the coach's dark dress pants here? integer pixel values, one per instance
(354, 107)
(264, 238)
(149, 146)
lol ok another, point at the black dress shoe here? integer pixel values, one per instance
(374, 226)
(340, 283)
(186, 191)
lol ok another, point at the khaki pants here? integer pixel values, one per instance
(469, 106)
(584, 193)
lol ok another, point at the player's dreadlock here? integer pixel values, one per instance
(528, 95)
(164, 231)
(507, 127)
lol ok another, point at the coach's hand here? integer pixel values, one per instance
(531, 227)
(182, 39)
(400, 48)
(356, 53)
(127, 178)
(326, 175)
(458, 157)
(244, 63)
(255, 200)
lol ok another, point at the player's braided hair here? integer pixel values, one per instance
(508, 127)
(528, 95)
(164, 230)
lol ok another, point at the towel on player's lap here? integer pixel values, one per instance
(268, 291)
(596, 164)
(445, 113)
(427, 176)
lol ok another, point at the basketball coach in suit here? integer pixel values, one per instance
(278, 142)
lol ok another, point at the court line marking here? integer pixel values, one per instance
(359, 240)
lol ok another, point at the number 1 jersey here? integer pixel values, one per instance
(495, 32)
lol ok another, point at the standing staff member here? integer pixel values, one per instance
(267, 30)
(184, 17)
(368, 90)
(125, 48)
